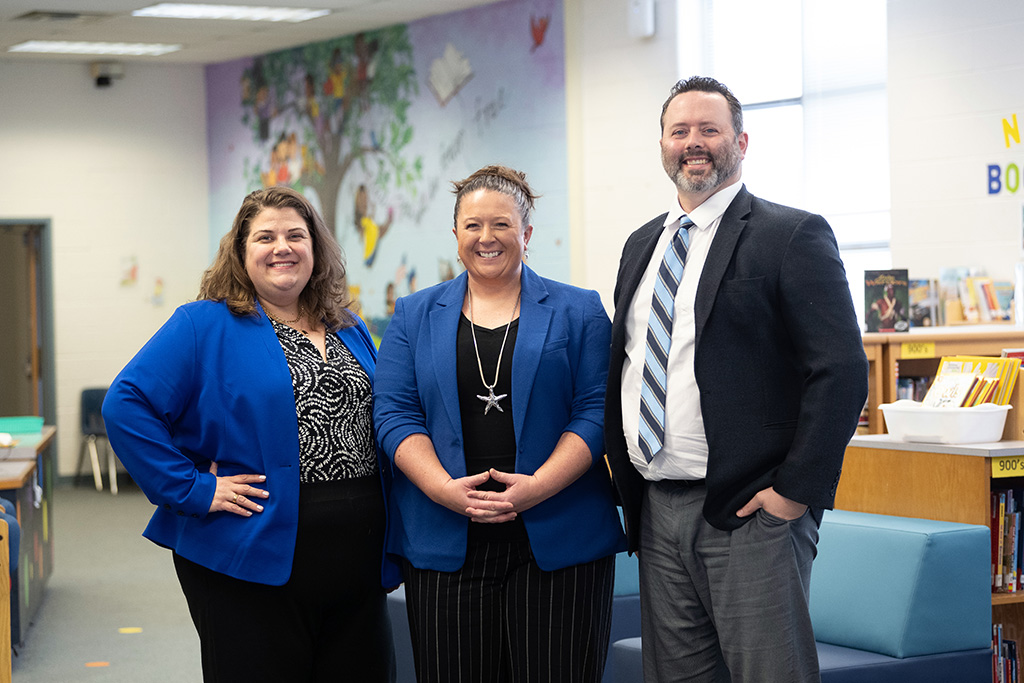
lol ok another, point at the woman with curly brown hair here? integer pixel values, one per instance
(247, 420)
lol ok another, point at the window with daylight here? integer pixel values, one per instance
(811, 75)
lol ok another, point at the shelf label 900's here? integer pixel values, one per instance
(917, 350)
(1008, 466)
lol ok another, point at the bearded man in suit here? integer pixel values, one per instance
(737, 378)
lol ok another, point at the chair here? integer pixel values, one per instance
(94, 432)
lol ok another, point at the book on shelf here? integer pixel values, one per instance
(991, 299)
(1013, 540)
(1005, 657)
(912, 388)
(969, 300)
(1009, 563)
(965, 381)
(1005, 293)
(886, 300)
(1011, 670)
(949, 390)
(923, 297)
(993, 525)
(1006, 540)
(999, 529)
(997, 653)
(950, 309)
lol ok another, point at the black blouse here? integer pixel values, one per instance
(490, 440)
(334, 407)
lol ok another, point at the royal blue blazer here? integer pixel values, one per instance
(559, 371)
(211, 386)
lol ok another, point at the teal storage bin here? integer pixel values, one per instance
(21, 424)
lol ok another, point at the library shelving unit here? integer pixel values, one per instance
(874, 348)
(935, 481)
(917, 353)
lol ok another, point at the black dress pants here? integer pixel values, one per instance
(329, 622)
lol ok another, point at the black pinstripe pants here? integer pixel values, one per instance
(501, 619)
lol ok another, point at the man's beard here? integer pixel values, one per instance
(723, 166)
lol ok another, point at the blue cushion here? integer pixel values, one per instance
(625, 617)
(846, 665)
(843, 665)
(901, 587)
(627, 575)
(625, 663)
(404, 665)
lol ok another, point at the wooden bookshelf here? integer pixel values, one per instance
(933, 481)
(874, 349)
(930, 481)
(919, 351)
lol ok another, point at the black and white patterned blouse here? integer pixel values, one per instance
(334, 407)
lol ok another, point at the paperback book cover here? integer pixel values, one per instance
(1004, 293)
(1000, 374)
(886, 300)
(950, 390)
(950, 308)
(924, 302)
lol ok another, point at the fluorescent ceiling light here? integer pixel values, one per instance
(171, 10)
(83, 48)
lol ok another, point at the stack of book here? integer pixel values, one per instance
(1005, 664)
(986, 300)
(912, 388)
(1006, 545)
(965, 381)
(967, 295)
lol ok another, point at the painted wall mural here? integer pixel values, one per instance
(373, 128)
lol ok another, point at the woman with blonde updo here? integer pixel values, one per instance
(489, 398)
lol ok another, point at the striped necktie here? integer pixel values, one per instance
(659, 339)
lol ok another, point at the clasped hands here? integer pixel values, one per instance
(522, 491)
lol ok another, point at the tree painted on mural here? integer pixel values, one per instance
(318, 110)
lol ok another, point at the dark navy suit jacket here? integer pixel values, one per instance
(778, 360)
(558, 385)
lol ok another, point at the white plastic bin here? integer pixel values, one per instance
(911, 421)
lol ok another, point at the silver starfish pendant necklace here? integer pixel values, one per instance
(490, 400)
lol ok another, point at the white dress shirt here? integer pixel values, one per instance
(684, 454)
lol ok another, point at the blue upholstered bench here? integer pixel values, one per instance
(404, 664)
(893, 599)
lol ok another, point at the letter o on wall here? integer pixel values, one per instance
(1012, 185)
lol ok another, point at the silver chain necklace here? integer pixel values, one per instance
(491, 400)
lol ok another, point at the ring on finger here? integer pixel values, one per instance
(235, 499)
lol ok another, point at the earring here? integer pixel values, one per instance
(526, 252)
(458, 259)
